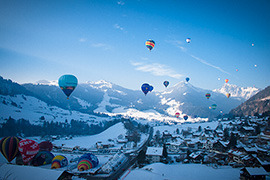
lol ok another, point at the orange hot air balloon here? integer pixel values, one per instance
(226, 80)
(228, 95)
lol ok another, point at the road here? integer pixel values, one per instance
(131, 159)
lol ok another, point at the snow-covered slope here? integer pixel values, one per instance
(239, 92)
(33, 109)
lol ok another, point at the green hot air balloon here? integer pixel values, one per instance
(67, 83)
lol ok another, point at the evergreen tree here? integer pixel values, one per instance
(165, 153)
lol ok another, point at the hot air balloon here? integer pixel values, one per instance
(177, 114)
(9, 147)
(150, 44)
(187, 79)
(236, 70)
(207, 95)
(185, 117)
(42, 158)
(87, 161)
(28, 149)
(188, 40)
(166, 83)
(68, 83)
(59, 161)
(45, 146)
(145, 88)
(228, 95)
(213, 106)
(151, 88)
(226, 80)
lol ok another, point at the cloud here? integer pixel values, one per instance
(117, 26)
(208, 64)
(101, 45)
(120, 3)
(82, 39)
(177, 44)
(156, 69)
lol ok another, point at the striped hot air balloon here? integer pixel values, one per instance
(150, 44)
(177, 114)
(207, 95)
(9, 147)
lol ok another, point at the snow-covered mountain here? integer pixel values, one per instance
(103, 98)
(238, 92)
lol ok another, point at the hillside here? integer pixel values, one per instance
(257, 104)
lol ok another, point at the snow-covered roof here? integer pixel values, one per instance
(154, 151)
(17, 172)
(194, 155)
(256, 171)
(247, 128)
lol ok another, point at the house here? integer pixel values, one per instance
(220, 146)
(154, 154)
(196, 156)
(249, 173)
(236, 156)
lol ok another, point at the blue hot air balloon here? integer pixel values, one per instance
(187, 79)
(166, 83)
(145, 88)
(151, 88)
(185, 117)
(68, 83)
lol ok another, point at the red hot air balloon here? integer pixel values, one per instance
(45, 146)
(177, 114)
(226, 80)
(9, 147)
(28, 149)
(207, 95)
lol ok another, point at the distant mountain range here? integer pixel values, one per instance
(107, 99)
(256, 105)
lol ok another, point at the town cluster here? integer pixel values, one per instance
(241, 142)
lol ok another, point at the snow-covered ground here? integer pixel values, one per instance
(162, 171)
(193, 126)
(90, 141)
(31, 108)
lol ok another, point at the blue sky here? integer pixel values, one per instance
(96, 40)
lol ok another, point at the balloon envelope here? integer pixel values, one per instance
(226, 80)
(9, 147)
(150, 44)
(59, 161)
(151, 88)
(228, 95)
(28, 149)
(67, 83)
(177, 114)
(45, 146)
(188, 40)
(166, 83)
(87, 161)
(185, 117)
(145, 88)
(42, 158)
(207, 95)
(187, 79)
(213, 106)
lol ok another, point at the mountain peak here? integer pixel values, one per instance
(236, 91)
(101, 84)
(46, 82)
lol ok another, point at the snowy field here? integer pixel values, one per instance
(90, 141)
(193, 126)
(161, 171)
